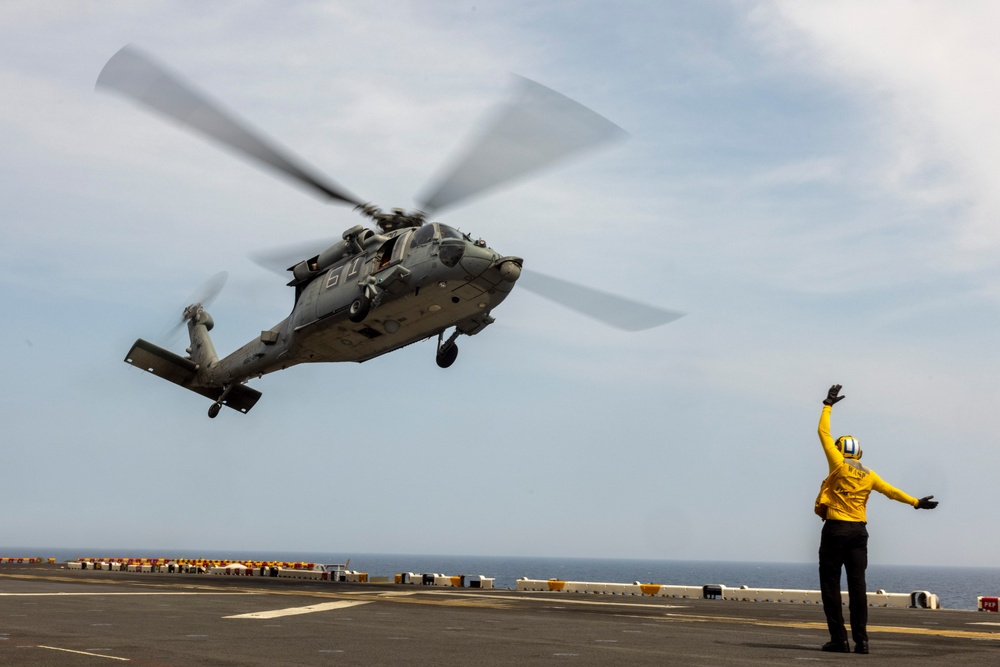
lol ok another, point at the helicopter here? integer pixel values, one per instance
(377, 288)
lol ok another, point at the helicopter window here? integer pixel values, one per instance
(422, 235)
(451, 253)
(449, 233)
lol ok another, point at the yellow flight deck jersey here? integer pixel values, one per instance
(844, 493)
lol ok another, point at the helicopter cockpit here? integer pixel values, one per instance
(449, 232)
(425, 234)
(452, 246)
(452, 241)
(422, 236)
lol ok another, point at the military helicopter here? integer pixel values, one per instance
(374, 290)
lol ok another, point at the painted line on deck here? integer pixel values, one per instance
(552, 600)
(95, 655)
(927, 632)
(93, 594)
(294, 611)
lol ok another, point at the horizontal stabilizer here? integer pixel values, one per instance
(182, 371)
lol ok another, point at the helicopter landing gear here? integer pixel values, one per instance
(447, 358)
(213, 411)
(447, 351)
(359, 309)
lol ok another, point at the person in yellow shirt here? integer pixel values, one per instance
(841, 504)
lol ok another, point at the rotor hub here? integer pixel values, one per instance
(397, 219)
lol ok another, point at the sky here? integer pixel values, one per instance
(813, 184)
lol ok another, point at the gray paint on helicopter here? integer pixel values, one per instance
(377, 291)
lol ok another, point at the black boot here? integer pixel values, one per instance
(838, 646)
(861, 647)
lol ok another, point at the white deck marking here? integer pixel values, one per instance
(606, 602)
(96, 655)
(294, 611)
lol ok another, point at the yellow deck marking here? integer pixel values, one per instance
(96, 655)
(295, 611)
(61, 595)
(931, 632)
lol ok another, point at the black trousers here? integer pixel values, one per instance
(844, 544)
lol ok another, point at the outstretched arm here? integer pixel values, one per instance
(888, 490)
(833, 457)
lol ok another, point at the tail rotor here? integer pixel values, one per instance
(200, 299)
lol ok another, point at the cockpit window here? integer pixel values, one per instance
(449, 233)
(423, 235)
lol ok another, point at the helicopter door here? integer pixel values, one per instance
(388, 263)
(305, 307)
(386, 256)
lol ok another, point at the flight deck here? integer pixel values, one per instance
(52, 615)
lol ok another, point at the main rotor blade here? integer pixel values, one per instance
(616, 311)
(139, 77)
(281, 258)
(535, 129)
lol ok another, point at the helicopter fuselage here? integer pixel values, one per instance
(376, 290)
(386, 291)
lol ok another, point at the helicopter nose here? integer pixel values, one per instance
(475, 259)
(510, 268)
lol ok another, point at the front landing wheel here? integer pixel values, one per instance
(213, 411)
(359, 309)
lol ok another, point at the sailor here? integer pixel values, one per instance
(841, 504)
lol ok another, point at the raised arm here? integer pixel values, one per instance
(833, 457)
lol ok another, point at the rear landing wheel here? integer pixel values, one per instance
(448, 356)
(214, 410)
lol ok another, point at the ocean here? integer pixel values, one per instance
(956, 587)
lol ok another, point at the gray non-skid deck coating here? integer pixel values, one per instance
(50, 615)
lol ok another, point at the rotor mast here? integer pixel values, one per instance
(397, 219)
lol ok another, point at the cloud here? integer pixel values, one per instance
(926, 73)
(778, 180)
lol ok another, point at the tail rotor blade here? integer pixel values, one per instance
(203, 297)
(140, 78)
(616, 311)
(206, 293)
(539, 127)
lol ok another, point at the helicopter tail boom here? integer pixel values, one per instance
(181, 371)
